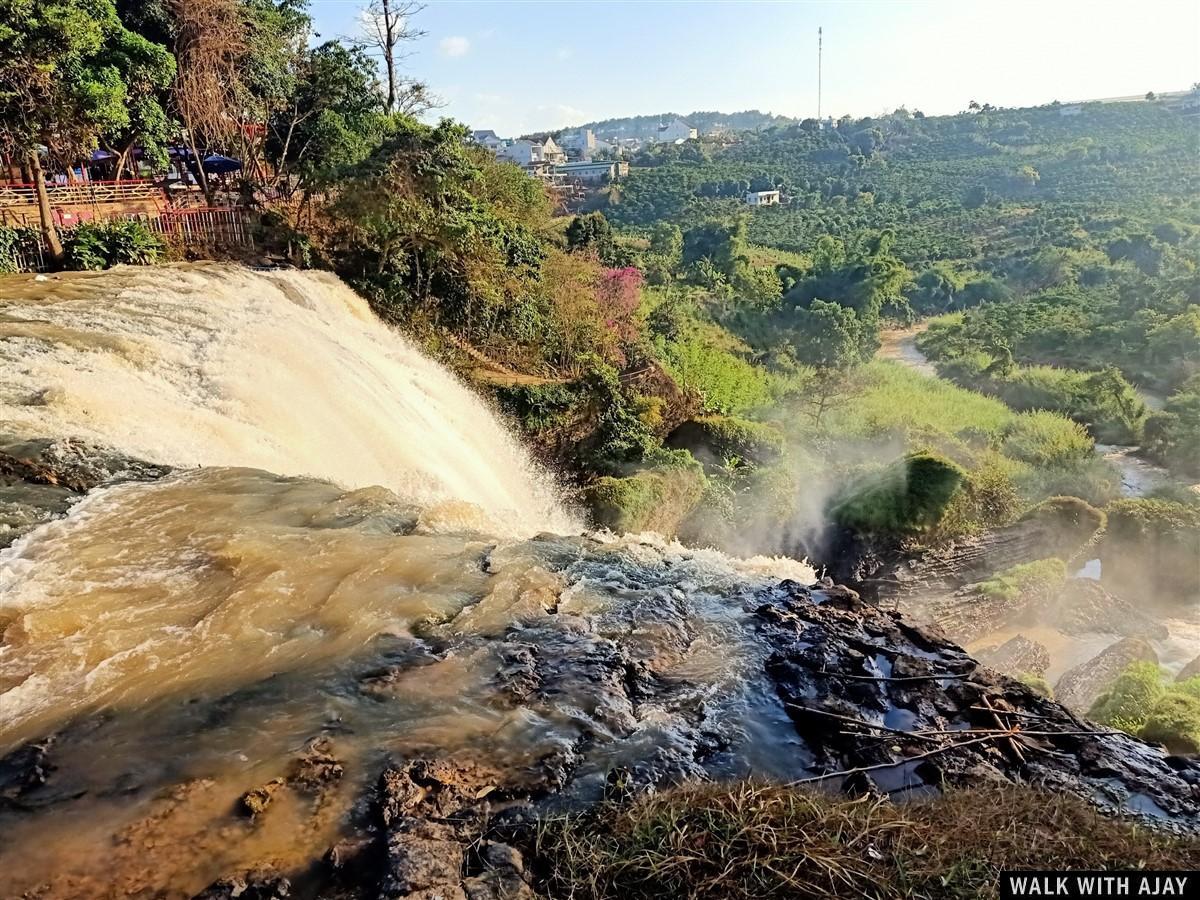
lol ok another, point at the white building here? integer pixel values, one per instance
(488, 139)
(762, 198)
(587, 172)
(522, 152)
(676, 131)
(578, 144)
(551, 152)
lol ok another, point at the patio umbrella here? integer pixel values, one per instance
(219, 165)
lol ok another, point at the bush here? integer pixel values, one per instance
(1174, 722)
(101, 245)
(906, 497)
(1046, 439)
(1127, 704)
(729, 437)
(656, 499)
(1040, 578)
(12, 242)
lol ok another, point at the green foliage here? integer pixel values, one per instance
(593, 234)
(723, 438)
(12, 241)
(99, 245)
(1039, 578)
(1045, 439)
(725, 382)
(905, 497)
(1128, 703)
(655, 499)
(1038, 684)
(1174, 722)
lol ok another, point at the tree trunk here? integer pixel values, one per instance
(49, 231)
(389, 51)
(201, 175)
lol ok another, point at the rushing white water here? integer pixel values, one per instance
(285, 371)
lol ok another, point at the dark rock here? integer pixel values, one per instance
(1191, 670)
(1079, 687)
(1017, 656)
(258, 884)
(256, 800)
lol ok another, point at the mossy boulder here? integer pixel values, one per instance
(1174, 722)
(1127, 704)
(1066, 524)
(720, 438)
(1039, 579)
(652, 499)
(905, 497)
(1154, 543)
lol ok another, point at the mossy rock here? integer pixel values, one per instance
(725, 437)
(1127, 704)
(906, 497)
(1174, 722)
(1067, 524)
(1039, 578)
(656, 499)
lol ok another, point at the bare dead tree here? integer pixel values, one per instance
(387, 27)
(210, 45)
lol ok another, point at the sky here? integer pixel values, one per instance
(518, 66)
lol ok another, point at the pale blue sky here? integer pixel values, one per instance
(523, 66)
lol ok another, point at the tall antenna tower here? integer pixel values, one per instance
(820, 41)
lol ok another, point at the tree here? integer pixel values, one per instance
(591, 233)
(60, 86)
(387, 27)
(146, 69)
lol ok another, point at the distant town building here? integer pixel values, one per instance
(578, 144)
(522, 152)
(551, 152)
(762, 198)
(675, 131)
(1071, 109)
(488, 139)
(588, 172)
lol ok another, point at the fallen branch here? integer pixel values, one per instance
(853, 721)
(889, 678)
(891, 765)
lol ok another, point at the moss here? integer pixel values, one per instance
(906, 497)
(1040, 577)
(1037, 683)
(655, 499)
(1127, 704)
(728, 437)
(1174, 722)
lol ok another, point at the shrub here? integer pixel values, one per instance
(1037, 683)
(1127, 704)
(1174, 722)
(1041, 578)
(1045, 439)
(12, 241)
(656, 499)
(100, 245)
(725, 383)
(727, 437)
(906, 497)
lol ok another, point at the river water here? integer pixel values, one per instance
(352, 548)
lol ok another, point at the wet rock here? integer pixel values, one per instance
(317, 768)
(1017, 656)
(503, 875)
(256, 800)
(1079, 687)
(1191, 670)
(886, 707)
(258, 884)
(1087, 606)
(24, 770)
(41, 479)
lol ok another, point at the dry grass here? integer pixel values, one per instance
(757, 841)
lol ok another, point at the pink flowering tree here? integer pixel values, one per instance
(618, 293)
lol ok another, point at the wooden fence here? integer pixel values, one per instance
(194, 232)
(83, 193)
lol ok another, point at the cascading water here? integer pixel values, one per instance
(342, 552)
(284, 371)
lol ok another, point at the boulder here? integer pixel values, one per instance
(1079, 687)
(1018, 656)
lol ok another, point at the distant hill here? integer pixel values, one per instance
(646, 127)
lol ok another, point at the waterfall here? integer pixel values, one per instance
(287, 371)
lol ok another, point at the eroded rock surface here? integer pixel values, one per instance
(1016, 657)
(1079, 687)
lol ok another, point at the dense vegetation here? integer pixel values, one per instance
(695, 366)
(1142, 702)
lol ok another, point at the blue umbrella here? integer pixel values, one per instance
(219, 165)
(101, 155)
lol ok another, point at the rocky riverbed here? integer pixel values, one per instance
(415, 760)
